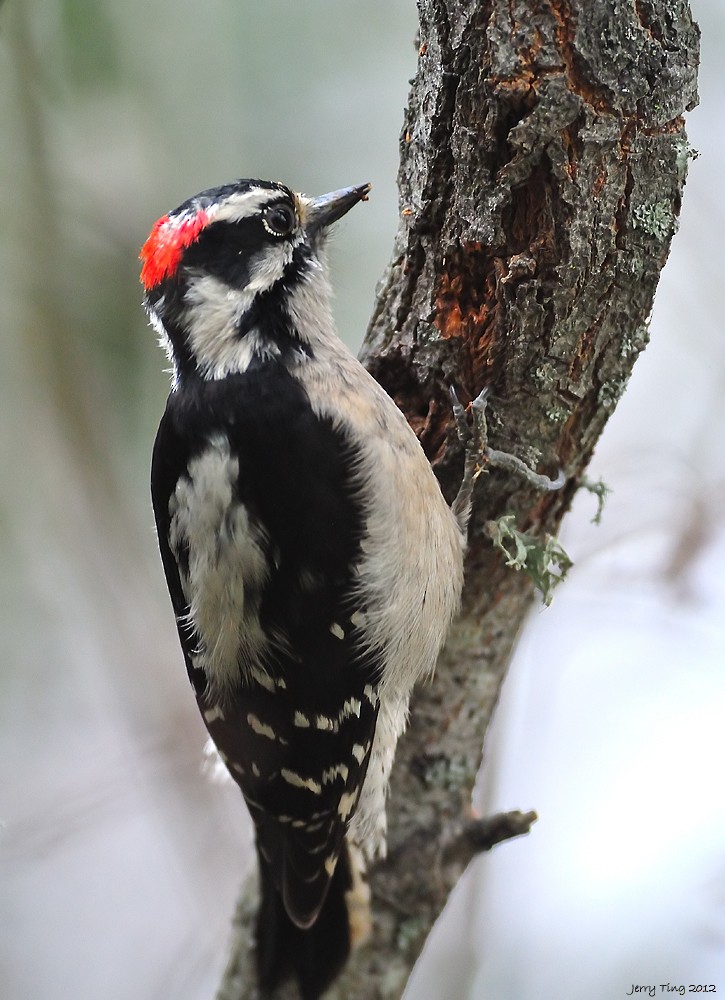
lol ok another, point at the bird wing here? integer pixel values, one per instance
(259, 529)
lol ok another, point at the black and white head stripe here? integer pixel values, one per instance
(227, 257)
(269, 207)
(174, 233)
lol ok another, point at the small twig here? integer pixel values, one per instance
(483, 834)
(504, 460)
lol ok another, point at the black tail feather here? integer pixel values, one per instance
(314, 956)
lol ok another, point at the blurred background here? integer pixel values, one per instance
(119, 859)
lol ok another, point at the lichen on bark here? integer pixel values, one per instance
(543, 159)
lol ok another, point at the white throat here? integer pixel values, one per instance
(214, 311)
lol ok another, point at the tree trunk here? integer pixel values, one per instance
(543, 158)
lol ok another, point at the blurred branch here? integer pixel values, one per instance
(60, 361)
(543, 160)
(484, 834)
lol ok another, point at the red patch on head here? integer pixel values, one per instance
(167, 241)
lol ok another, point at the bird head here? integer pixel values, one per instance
(220, 272)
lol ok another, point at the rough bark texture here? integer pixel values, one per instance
(543, 158)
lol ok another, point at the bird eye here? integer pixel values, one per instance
(279, 220)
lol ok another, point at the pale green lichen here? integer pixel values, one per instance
(409, 932)
(556, 414)
(447, 772)
(655, 218)
(545, 375)
(611, 392)
(542, 559)
(601, 491)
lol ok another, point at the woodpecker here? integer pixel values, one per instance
(313, 564)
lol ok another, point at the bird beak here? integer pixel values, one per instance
(328, 208)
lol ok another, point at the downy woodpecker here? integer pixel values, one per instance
(313, 564)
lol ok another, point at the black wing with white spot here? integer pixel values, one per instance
(243, 476)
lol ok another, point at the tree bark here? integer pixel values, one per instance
(543, 159)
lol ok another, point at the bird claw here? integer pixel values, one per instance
(473, 435)
(467, 433)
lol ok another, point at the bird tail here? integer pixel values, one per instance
(314, 956)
